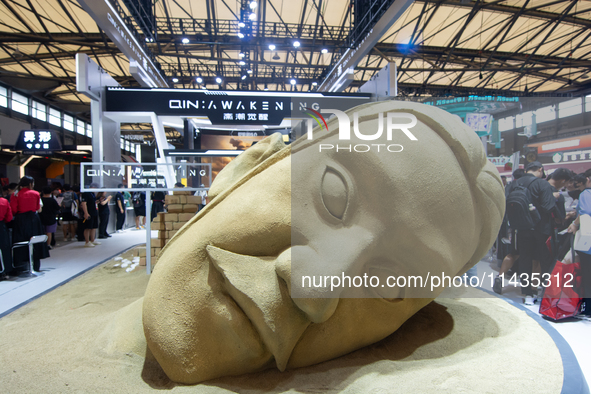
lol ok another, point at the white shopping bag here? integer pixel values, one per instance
(583, 236)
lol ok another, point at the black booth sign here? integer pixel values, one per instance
(219, 109)
(37, 142)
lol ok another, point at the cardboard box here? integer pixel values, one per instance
(175, 208)
(182, 193)
(177, 225)
(171, 217)
(142, 252)
(182, 199)
(171, 234)
(142, 261)
(185, 217)
(190, 208)
(168, 199)
(194, 200)
(158, 242)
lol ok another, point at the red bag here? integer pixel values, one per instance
(562, 297)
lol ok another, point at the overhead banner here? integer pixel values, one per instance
(222, 107)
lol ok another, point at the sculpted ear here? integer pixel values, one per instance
(245, 162)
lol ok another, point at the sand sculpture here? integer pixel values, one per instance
(218, 302)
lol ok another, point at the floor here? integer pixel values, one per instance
(70, 259)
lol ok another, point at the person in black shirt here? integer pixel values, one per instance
(531, 244)
(157, 204)
(49, 214)
(120, 209)
(90, 213)
(102, 201)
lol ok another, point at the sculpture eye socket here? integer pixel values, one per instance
(334, 193)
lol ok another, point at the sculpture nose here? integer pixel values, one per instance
(317, 307)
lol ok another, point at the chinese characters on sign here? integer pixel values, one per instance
(37, 142)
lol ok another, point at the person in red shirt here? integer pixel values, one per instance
(5, 246)
(25, 204)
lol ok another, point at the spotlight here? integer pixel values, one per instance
(272, 47)
(296, 44)
(199, 80)
(218, 80)
(292, 81)
(314, 83)
(253, 5)
(241, 62)
(241, 24)
(243, 77)
(175, 80)
(252, 16)
(324, 51)
(240, 35)
(185, 40)
(249, 71)
(241, 55)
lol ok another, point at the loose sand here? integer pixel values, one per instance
(72, 340)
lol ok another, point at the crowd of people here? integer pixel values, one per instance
(26, 212)
(557, 203)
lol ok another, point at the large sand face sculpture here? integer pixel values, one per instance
(219, 302)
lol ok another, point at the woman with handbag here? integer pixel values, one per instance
(584, 208)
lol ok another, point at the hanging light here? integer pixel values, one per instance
(324, 51)
(185, 40)
(243, 77)
(199, 80)
(276, 56)
(241, 62)
(218, 80)
(272, 47)
(249, 71)
(253, 5)
(266, 88)
(292, 81)
(241, 24)
(314, 83)
(241, 54)
(240, 35)
(296, 44)
(175, 80)
(252, 16)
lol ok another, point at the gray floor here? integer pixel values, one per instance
(67, 260)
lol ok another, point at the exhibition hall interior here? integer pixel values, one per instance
(268, 196)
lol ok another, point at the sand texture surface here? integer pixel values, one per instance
(80, 338)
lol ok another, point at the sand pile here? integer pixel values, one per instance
(71, 340)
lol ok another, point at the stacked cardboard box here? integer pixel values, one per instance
(181, 207)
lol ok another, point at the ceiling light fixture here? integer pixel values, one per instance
(199, 80)
(185, 40)
(243, 77)
(175, 80)
(324, 51)
(272, 47)
(292, 81)
(241, 24)
(241, 62)
(218, 80)
(241, 55)
(314, 83)
(252, 16)
(253, 5)
(240, 35)
(296, 44)
(249, 71)
(276, 56)
(266, 88)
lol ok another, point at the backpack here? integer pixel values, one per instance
(521, 212)
(67, 201)
(137, 200)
